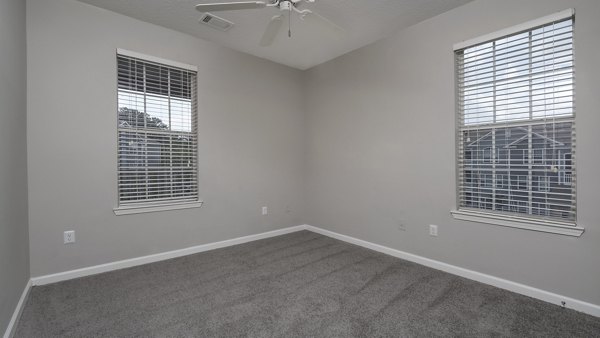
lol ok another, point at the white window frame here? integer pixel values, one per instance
(156, 206)
(507, 220)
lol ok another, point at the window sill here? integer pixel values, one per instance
(554, 227)
(139, 209)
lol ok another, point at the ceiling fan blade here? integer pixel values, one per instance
(272, 29)
(319, 20)
(230, 6)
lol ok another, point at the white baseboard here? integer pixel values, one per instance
(526, 290)
(12, 325)
(96, 269)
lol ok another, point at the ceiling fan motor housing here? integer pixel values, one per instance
(285, 5)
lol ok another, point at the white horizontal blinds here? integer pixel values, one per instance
(516, 124)
(157, 133)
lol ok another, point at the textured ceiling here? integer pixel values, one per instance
(364, 21)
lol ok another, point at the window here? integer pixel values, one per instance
(515, 109)
(564, 176)
(539, 155)
(487, 155)
(501, 181)
(157, 133)
(487, 181)
(544, 183)
(521, 182)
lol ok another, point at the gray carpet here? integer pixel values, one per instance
(298, 285)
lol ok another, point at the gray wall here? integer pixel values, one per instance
(251, 132)
(381, 150)
(14, 242)
(366, 140)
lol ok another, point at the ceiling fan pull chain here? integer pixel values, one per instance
(290, 23)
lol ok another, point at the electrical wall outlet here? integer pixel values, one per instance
(265, 211)
(69, 236)
(433, 230)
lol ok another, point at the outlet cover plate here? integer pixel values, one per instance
(69, 237)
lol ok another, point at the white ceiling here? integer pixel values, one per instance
(365, 21)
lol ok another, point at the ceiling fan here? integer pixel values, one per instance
(285, 7)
